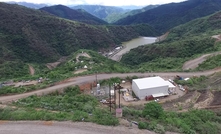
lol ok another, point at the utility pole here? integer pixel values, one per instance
(119, 96)
(115, 90)
(110, 96)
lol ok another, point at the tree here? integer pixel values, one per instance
(152, 110)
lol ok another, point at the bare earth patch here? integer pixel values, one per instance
(55, 64)
(82, 54)
(204, 100)
(31, 70)
(217, 37)
(80, 71)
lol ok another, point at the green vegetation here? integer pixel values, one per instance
(111, 18)
(71, 105)
(71, 14)
(152, 110)
(192, 81)
(32, 114)
(211, 63)
(7, 70)
(6, 90)
(168, 55)
(167, 16)
(203, 82)
(107, 13)
(95, 64)
(183, 43)
(29, 36)
(154, 118)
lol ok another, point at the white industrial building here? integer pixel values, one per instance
(155, 86)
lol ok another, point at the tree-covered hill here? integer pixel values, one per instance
(102, 12)
(29, 35)
(170, 15)
(183, 42)
(117, 16)
(72, 14)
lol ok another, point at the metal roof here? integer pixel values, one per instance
(150, 82)
(170, 84)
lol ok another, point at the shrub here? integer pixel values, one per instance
(153, 110)
(142, 125)
(159, 129)
(103, 117)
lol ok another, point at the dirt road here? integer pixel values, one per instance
(49, 127)
(91, 78)
(192, 64)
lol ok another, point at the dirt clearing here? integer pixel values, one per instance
(55, 64)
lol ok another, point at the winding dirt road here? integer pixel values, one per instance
(91, 78)
(194, 63)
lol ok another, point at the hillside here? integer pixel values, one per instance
(183, 42)
(115, 17)
(102, 12)
(167, 16)
(72, 14)
(34, 36)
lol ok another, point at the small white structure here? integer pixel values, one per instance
(186, 79)
(155, 86)
(118, 48)
(112, 92)
(85, 66)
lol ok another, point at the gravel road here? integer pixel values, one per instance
(91, 78)
(53, 127)
(194, 63)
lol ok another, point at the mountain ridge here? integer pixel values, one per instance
(165, 17)
(72, 14)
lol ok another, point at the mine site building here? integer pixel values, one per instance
(150, 86)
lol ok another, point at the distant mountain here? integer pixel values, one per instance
(101, 12)
(35, 36)
(30, 5)
(131, 7)
(72, 14)
(114, 18)
(170, 15)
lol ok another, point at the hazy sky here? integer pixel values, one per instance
(100, 2)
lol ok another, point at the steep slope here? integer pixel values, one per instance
(183, 42)
(71, 14)
(206, 26)
(28, 35)
(170, 15)
(102, 12)
(115, 17)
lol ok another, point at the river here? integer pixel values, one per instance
(127, 46)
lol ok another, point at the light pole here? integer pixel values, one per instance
(96, 77)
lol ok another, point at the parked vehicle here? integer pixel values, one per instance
(181, 88)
